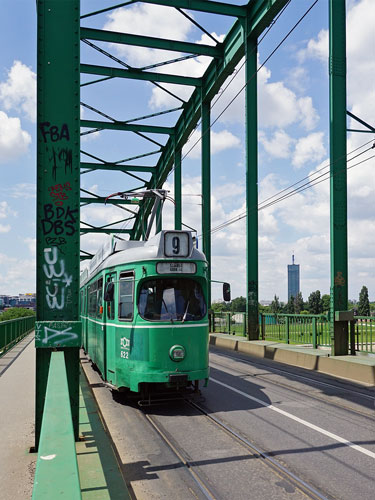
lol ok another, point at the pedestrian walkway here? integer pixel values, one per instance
(100, 476)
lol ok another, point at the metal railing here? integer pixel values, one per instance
(306, 329)
(56, 474)
(364, 330)
(13, 330)
(288, 328)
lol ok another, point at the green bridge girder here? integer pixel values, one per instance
(59, 35)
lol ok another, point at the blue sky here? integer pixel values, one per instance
(293, 142)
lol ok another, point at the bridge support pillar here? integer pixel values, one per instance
(338, 173)
(252, 189)
(177, 190)
(206, 190)
(58, 196)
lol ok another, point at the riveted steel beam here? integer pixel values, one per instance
(98, 230)
(338, 175)
(114, 166)
(222, 8)
(127, 127)
(150, 42)
(260, 15)
(58, 179)
(133, 74)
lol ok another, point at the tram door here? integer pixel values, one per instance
(110, 303)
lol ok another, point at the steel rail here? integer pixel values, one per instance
(179, 454)
(299, 483)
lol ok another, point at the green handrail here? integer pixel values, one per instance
(56, 473)
(14, 330)
(309, 329)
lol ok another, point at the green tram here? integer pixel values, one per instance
(144, 313)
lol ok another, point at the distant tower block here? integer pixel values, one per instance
(293, 279)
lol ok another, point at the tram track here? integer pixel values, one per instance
(205, 489)
(301, 392)
(299, 483)
(204, 484)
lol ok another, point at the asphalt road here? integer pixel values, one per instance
(320, 430)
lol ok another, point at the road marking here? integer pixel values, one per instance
(299, 420)
(277, 370)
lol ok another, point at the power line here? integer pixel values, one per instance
(305, 186)
(237, 72)
(251, 77)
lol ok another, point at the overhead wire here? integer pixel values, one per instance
(237, 70)
(251, 77)
(255, 48)
(327, 175)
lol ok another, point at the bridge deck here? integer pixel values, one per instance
(99, 470)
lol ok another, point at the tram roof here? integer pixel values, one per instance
(117, 252)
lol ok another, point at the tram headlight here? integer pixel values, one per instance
(177, 353)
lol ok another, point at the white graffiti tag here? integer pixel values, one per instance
(57, 337)
(57, 279)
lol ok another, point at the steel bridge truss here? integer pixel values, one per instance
(62, 29)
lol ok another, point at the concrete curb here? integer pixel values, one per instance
(354, 369)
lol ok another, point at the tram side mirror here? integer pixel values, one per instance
(109, 292)
(226, 292)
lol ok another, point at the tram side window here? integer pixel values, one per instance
(100, 295)
(126, 296)
(111, 303)
(92, 300)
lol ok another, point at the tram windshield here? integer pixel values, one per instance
(175, 299)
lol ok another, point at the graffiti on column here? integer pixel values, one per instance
(55, 334)
(59, 217)
(57, 280)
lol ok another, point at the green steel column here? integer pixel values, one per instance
(177, 190)
(252, 189)
(58, 184)
(339, 238)
(206, 190)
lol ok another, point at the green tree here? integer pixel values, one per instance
(315, 303)
(219, 306)
(298, 303)
(16, 312)
(275, 305)
(238, 304)
(289, 307)
(363, 303)
(326, 302)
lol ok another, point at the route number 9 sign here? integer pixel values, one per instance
(176, 244)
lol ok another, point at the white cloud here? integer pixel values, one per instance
(5, 228)
(220, 141)
(14, 141)
(316, 48)
(19, 91)
(298, 78)
(278, 106)
(278, 146)
(31, 243)
(6, 211)
(13, 278)
(150, 20)
(24, 190)
(308, 149)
